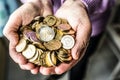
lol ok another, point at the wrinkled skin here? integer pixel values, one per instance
(77, 17)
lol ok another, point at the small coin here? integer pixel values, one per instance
(38, 26)
(46, 33)
(50, 20)
(69, 32)
(68, 41)
(62, 59)
(21, 45)
(34, 57)
(48, 60)
(31, 36)
(64, 55)
(40, 51)
(53, 58)
(39, 45)
(35, 24)
(22, 28)
(29, 52)
(59, 34)
(64, 27)
(64, 21)
(58, 22)
(39, 18)
(42, 60)
(37, 61)
(53, 45)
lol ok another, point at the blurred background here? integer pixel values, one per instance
(104, 64)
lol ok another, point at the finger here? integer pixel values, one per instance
(47, 71)
(82, 39)
(27, 66)
(47, 8)
(22, 67)
(63, 67)
(17, 57)
(35, 70)
(22, 16)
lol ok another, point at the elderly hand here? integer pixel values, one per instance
(23, 16)
(74, 11)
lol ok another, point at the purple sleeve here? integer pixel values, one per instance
(99, 12)
(98, 6)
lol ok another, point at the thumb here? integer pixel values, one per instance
(82, 39)
(47, 8)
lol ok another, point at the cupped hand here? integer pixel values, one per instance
(75, 12)
(23, 16)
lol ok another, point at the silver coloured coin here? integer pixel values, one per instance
(46, 33)
(67, 41)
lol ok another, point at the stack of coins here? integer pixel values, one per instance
(46, 41)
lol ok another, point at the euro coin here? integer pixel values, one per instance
(48, 60)
(34, 57)
(64, 27)
(29, 52)
(59, 34)
(50, 20)
(46, 33)
(69, 32)
(59, 21)
(35, 24)
(21, 45)
(39, 45)
(53, 45)
(68, 41)
(64, 21)
(64, 55)
(53, 58)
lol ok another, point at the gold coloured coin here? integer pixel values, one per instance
(48, 60)
(58, 22)
(59, 35)
(53, 58)
(35, 25)
(64, 27)
(64, 21)
(50, 20)
(69, 32)
(64, 55)
(39, 45)
(53, 45)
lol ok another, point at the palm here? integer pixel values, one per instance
(79, 21)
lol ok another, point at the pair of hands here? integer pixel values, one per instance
(72, 10)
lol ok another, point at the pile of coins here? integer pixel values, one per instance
(46, 41)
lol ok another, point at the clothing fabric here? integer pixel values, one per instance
(6, 8)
